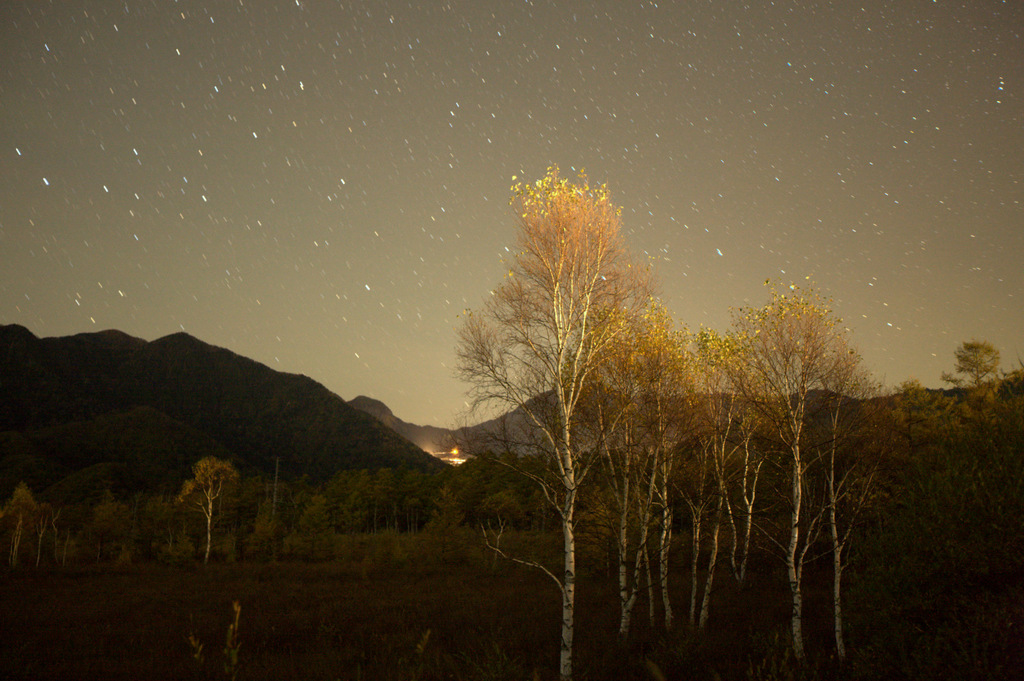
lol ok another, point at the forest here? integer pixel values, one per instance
(662, 503)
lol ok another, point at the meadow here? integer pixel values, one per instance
(330, 621)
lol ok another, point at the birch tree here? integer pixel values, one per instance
(743, 486)
(697, 487)
(793, 347)
(716, 409)
(210, 475)
(44, 517)
(537, 343)
(612, 407)
(642, 406)
(669, 377)
(848, 469)
(19, 512)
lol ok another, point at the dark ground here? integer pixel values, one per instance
(327, 622)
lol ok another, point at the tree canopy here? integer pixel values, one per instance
(977, 363)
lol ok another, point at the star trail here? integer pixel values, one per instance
(323, 186)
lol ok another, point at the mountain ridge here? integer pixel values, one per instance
(259, 416)
(431, 439)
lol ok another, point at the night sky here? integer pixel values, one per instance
(323, 186)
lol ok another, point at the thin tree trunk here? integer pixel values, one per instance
(837, 563)
(734, 541)
(650, 584)
(56, 534)
(739, 565)
(640, 560)
(747, 526)
(793, 568)
(15, 543)
(748, 521)
(663, 557)
(209, 534)
(694, 566)
(712, 562)
(39, 546)
(837, 605)
(624, 596)
(568, 588)
(643, 517)
(626, 615)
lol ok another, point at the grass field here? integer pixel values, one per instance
(324, 621)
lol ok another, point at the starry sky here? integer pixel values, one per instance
(323, 185)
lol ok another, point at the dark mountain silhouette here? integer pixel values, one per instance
(146, 410)
(428, 438)
(509, 431)
(512, 431)
(132, 450)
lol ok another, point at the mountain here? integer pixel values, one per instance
(132, 450)
(147, 410)
(428, 438)
(512, 430)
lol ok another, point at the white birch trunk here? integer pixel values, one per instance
(734, 541)
(793, 566)
(693, 568)
(749, 495)
(747, 526)
(626, 614)
(712, 562)
(15, 543)
(837, 563)
(630, 591)
(568, 588)
(748, 521)
(39, 546)
(209, 533)
(663, 555)
(624, 596)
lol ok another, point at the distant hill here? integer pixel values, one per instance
(428, 438)
(144, 411)
(511, 431)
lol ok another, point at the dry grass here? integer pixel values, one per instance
(327, 622)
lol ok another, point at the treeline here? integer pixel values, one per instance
(938, 567)
(256, 518)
